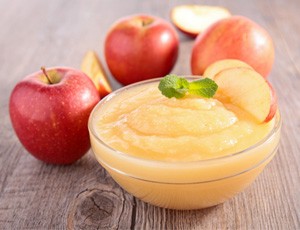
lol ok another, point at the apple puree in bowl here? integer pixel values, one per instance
(192, 151)
(146, 124)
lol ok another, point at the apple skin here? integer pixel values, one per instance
(140, 47)
(274, 103)
(50, 120)
(236, 37)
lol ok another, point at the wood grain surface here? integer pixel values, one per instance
(34, 195)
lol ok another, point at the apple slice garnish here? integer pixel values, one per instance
(249, 91)
(194, 19)
(93, 68)
(218, 66)
(273, 108)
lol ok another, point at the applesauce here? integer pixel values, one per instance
(184, 153)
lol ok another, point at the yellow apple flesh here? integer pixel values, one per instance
(93, 68)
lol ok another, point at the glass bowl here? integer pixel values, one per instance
(183, 185)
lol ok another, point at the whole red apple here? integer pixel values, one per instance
(49, 111)
(236, 37)
(141, 47)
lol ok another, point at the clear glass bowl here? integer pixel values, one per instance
(183, 185)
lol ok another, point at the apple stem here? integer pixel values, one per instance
(45, 73)
(146, 21)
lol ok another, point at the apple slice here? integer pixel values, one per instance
(213, 69)
(273, 108)
(194, 19)
(92, 67)
(248, 90)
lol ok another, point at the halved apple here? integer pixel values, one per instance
(216, 67)
(194, 19)
(93, 68)
(248, 90)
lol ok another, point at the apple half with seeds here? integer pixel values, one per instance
(223, 64)
(248, 90)
(93, 68)
(194, 19)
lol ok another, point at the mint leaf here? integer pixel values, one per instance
(175, 86)
(204, 87)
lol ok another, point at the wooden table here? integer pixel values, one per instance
(34, 195)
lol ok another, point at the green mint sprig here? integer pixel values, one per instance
(175, 86)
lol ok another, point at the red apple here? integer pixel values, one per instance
(141, 47)
(236, 37)
(194, 19)
(49, 112)
(92, 67)
(248, 90)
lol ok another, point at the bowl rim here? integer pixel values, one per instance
(276, 127)
(266, 159)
